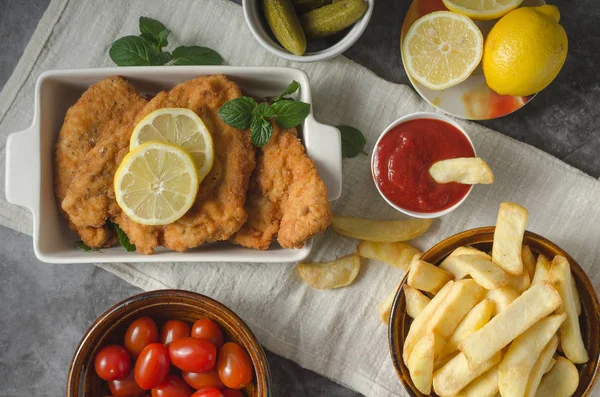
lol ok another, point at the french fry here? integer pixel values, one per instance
(570, 333)
(416, 301)
(485, 272)
(335, 274)
(537, 371)
(576, 296)
(514, 369)
(385, 307)
(533, 305)
(484, 386)
(508, 238)
(456, 374)
(519, 283)
(440, 362)
(474, 320)
(420, 363)
(528, 261)
(501, 297)
(394, 254)
(450, 263)
(542, 270)
(463, 296)
(550, 365)
(380, 231)
(418, 327)
(561, 381)
(427, 277)
(467, 170)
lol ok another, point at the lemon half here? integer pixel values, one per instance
(482, 9)
(441, 49)
(156, 183)
(179, 126)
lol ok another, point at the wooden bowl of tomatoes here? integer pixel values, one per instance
(169, 343)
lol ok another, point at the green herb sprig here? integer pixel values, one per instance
(147, 49)
(353, 141)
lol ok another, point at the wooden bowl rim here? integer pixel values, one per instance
(395, 349)
(78, 361)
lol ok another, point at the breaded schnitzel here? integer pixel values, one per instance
(102, 109)
(287, 197)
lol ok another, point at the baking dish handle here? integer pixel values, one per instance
(324, 146)
(22, 168)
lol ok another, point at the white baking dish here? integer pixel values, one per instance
(29, 159)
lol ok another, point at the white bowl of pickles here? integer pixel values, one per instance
(307, 30)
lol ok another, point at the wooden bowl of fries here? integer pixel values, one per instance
(589, 323)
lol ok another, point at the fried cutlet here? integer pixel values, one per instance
(286, 198)
(102, 109)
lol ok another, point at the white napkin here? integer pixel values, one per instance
(336, 333)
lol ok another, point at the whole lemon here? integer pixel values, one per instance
(524, 51)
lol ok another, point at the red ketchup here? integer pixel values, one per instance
(402, 160)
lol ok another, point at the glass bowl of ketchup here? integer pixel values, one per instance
(403, 155)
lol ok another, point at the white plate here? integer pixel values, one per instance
(30, 155)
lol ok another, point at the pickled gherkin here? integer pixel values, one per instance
(330, 19)
(303, 6)
(285, 25)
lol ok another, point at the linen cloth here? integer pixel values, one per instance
(336, 333)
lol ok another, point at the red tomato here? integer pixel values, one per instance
(174, 386)
(193, 355)
(140, 334)
(208, 329)
(203, 380)
(234, 366)
(112, 362)
(152, 366)
(208, 392)
(173, 330)
(232, 393)
(124, 387)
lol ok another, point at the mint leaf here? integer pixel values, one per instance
(83, 246)
(293, 87)
(260, 131)
(133, 51)
(238, 112)
(123, 238)
(353, 141)
(289, 114)
(155, 31)
(164, 57)
(263, 110)
(195, 55)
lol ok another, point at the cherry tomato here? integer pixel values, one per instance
(208, 392)
(174, 386)
(208, 329)
(232, 393)
(140, 334)
(193, 355)
(112, 362)
(152, 366)
(124, 387)
(173, 330)
(203, 380)
(234, 366)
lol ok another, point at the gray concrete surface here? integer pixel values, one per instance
(45, 309)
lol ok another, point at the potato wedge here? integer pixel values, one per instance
(467, 170)
(550, 365)
(542, 270)
(426, 277)
(380, 231)
(385, 307)
(501, 297)
(576, 296)
(571, 341)
(533, 305)
(485, 272)
(416, 301)
(508, 238)
(528, 261)
(535, 376)
(335, 274)
(456, 374)
(418, 327)
(484, 386)
(514, 369)
(450, 263)
(519, 283)
(479, 316)
(420, 363)
(463, 296)
(561, 381)
(394, 254)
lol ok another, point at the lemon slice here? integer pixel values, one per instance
(181, 127)
(156, 183)
(482, 9)
(442, 49)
